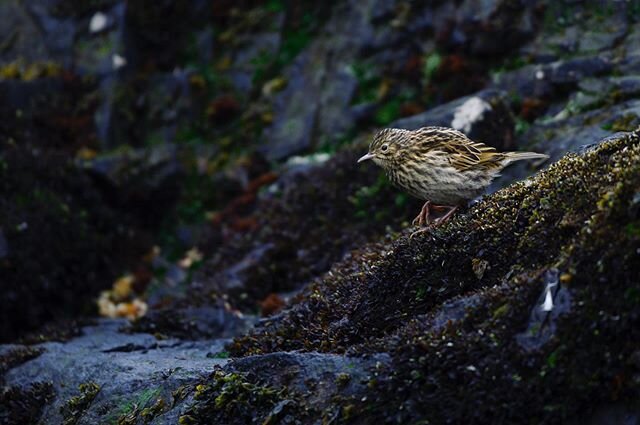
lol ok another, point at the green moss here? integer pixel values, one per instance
(73, 409)
(366, 195)
(369, 82)
(343, 379)
(231, 395)
(221, 355)
(296, 35)
(388, 112)
(626, 122)
(431, 65)
(149, 413)
(145, 405)
(501, 311)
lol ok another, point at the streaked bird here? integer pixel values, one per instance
(439, 165)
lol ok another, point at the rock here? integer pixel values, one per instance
(194, 323)
(570, 134)
(316, 106)
(4, 245)
(118, 374)
(554, 301)
(106, 375)
(138, 180)
(440, 322)
(615, 413)
(35, 33)
(522, 301)
(61, 236)
(250, 48)
(20, 34)
(484, 116)
(357, 205)
(319, 89)
(480, 326)
(561, 135)
(550, 80)
(300, 387)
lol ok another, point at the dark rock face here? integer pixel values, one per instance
(156, 140)
(384, 33)
(484, 116)
(434, 328)
(59, 239)
(129, 375)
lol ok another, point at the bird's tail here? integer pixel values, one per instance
(517, 156)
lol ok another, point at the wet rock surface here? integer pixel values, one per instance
(207, 174)
(116, 373)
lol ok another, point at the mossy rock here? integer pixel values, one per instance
(458, 338)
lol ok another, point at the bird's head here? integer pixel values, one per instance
(385, 147)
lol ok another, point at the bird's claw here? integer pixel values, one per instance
(431, 224)
(423, 217)
(420, 231)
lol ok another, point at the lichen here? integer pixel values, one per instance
(20, 70)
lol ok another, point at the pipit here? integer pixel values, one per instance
(439, 165)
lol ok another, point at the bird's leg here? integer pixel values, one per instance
(437, 222)
(423, 217)
(441, 220)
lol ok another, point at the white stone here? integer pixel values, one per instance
(468, 113)
(313, 159)
(98, 22)
(118, 61)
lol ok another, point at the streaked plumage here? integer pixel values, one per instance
(439, 165)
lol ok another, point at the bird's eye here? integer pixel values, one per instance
(384, 148)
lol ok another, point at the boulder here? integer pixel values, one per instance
(484, 116)
(105, 375)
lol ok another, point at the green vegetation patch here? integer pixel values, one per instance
(232, 396)
(73, 409)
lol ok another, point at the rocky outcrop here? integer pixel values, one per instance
(59, 239)
(105, 375)
(526, 301)
(122, 128)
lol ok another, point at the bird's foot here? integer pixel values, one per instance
(420, 231)
(441, 220)
(422, 218)
(435, 223)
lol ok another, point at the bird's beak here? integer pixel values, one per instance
(365, 157)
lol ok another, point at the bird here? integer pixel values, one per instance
(440, 166)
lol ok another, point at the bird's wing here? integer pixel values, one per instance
(463, 153)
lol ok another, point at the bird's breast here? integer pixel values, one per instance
(439, 183)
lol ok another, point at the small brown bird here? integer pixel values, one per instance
(439, 165)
